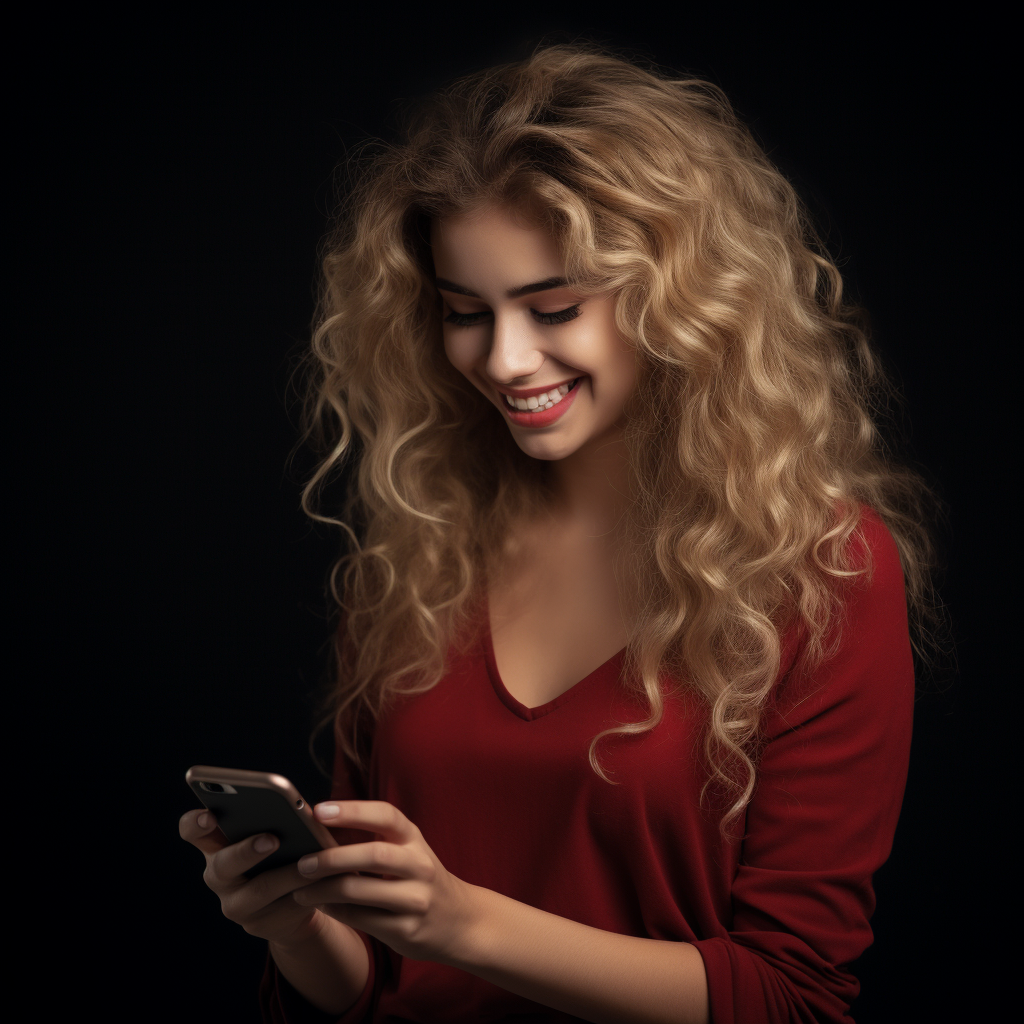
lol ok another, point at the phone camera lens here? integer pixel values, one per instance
(213, 787)
(298, 803)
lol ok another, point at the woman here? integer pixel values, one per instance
(625, 681)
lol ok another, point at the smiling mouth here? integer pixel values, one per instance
(539, 403)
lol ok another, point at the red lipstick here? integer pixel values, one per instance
(540, 417)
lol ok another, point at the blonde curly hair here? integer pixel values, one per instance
(751, 436)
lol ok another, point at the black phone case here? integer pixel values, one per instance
(252, 811)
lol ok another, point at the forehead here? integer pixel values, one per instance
(493, 235)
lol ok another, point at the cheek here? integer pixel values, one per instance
(458, 352)
(629, 372)
(617, 367)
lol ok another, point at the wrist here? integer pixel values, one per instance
(326, 962)
(473, 937)
(311, 931)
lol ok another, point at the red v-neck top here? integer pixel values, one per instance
(612, 669)
(506, 798)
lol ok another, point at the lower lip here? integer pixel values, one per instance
(542, 417)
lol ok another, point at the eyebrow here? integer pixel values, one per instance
(513, 293)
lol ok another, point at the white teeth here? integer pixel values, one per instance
(547, 400)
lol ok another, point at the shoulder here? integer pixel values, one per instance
(875, 556)
(874, 547)
(864, 662)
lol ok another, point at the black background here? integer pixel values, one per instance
(180, 215)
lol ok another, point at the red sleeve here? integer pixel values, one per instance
(279, 1001)
(823, 816)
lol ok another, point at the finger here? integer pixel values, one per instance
(226, 868)
(378, 857)
(371, 920)
(199, 828)
(370, 815)
(256, 898)
(399, 897)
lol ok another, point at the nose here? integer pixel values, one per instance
(515, 353)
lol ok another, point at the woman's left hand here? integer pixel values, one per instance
(417, 908)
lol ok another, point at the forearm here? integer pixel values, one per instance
(600, 976)
(329, 969)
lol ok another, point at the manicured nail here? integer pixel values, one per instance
(264, 844)
(203, 821)
(308, 864)
(329, 810)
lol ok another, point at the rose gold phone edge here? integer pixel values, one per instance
(264, 780)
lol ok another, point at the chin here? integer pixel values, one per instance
(545, 453)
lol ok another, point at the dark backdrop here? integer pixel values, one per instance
(190, 189)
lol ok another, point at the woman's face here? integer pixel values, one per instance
(518, 331)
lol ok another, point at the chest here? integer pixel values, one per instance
(554, 620)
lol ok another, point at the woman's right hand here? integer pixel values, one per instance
(263, 905)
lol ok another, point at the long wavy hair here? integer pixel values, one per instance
(751, 436)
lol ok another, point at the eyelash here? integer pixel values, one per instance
(563, 316)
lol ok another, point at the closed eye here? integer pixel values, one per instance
(562, 316)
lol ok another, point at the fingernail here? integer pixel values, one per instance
(203, 821)
(264, 844)
(308, 864)
(329, 810)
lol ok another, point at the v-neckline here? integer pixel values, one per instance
(516, 706)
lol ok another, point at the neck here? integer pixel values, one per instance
(592, 489)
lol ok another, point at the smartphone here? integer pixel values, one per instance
(250, 803)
